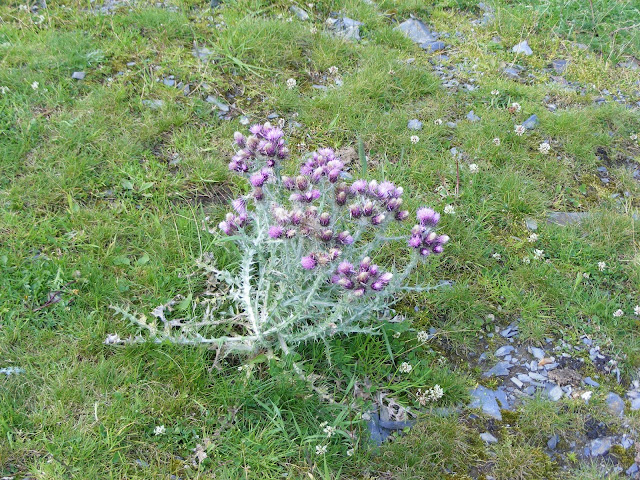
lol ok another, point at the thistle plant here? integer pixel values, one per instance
(305, 244)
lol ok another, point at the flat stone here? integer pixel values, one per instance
(635, 404)
(414, 124)
(218, 103)
(566, 218)
(531, 122)
(538, 377)
(559, 65)
(345, 27)
(511, 73)
(556, 393)
(78, 75)
(600, 446)
(552, 443)
(504, 350)
(417, 31)
(501, 369)
(517, 382)
(632, 470)
(615, 403)
(299, 12)
(434, 46)
(488, 438)
(537, 353)
(8, 371)
(522, 47)
(472, 117)
(531, 224)
(502, 399)
(485, 399)
(590, 381)
(154, 104)
(202, 53)
(530, 390)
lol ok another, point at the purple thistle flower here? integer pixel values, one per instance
(239, 205)
(438, 249)
(359, 292)
(359, 186)
(386, 189)
(296, 197)
(443, 239)
(368, 208)
(335, 278)
(239, 139)
(377, 286)
(425, 215)
(302, 182)
(341, 198)
(345, 238)
(365, 263)
(377, 219)
(363, 277)
(414, 241)
(402, 215)
(334, 175)
(417, 230)
(283, 152)
(425, 252)
(226, 227)
(355, 211)
(385, 278)
(274, 135)
(288, 182)
(252, 143)
(373, 187)
(258, 194)
(324, 219)
(326, 235)
(275, 231)
(233, 165)
(373, 270)
(306, 169)
(345, 268)
(308, 262)
(346, 283)
(296, 217)
(256, 179)
(290, 233)
(256, 129)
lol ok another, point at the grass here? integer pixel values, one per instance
(102, 197)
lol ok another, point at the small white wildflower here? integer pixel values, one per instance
(473, 168)
(24, 8)
(436, 393)
(437, 121)
(396, 335)
(329, 430)
(291, 83)
(586, 275)
(618, 313)
(415, 139)
(321, 449)
(497, 256)
(392, 72)
(515, 107)
(449, 210)
(4, 90)
(112, 339)
(350, 452)
(602, 266)
(633, 136)
(35, 85)
(636, 309)
(422, 336)
(538, 254)
(405, 367)
(519, 129)
(333, 70)
(544, 148)
(496, 142)
(495, 92)
(533, 238)
(313, 30)
(526, 260)
(159, 430)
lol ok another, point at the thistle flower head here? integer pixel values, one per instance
(308, 262)
(276, 231)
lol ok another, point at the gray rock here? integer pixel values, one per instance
(511, 73)
(488, 438)
(530, 390)
(154, 104)
(78, 75)
(632, 470)
(537, 353)
(218, 103)
(417, 31)
(320, 87)
(523, 48)
(8, 371)
(626, 442)
(590, 381)
(502, 399)
(538, 377)
(635, 404)
(523, 377)
(556, 393)
(615, 403)
(531, 122)
(131, 64)
(531, 224)
(552, 443)
(600, 446)
(517, 382)
(202, 53)
(414, 124)
(566, 218)
(434, 46)
(504, 350)
(485, 399)
(169, 82)
(299, 12)
(345, 27)
(559, 65)
(472, 117)
(501, 369)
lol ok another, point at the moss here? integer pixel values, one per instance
(626, 457)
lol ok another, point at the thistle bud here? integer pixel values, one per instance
(325, 218)
(377, 286)
(367, 208)
(414, 241)
(239, 139)
(402, 215)
(341, 198)
(355, 211)
(377, 219)
(302, 182)
(346, 283)
(363, 277)
(345, 268)
(326, 235)
(288, 182)
(365, 263)
(290, 233)
(334, 253)
(258, 194)
(359, 292)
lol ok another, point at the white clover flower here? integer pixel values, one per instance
(291, 83)
(519, 129)
(333, 70)
(602, 266)
(3, 90)
(415, 139)
(473, 168)
(436, 393)
(633, 136)
(449, 210)
(405, 367)
(586, 275)
(35, 85)
(159, 430)
(313, 30)
(396, 335)
(515, 106)
(321, 449)
(496, 142)
(533, 238)
(437, 121)
(526, 260)
(497, 256)
(23, 8)
(329, 430)
(495, 92)
(538, 254)
(350, 452)
(544, 148)
(618, 313)
(422, 336)
(636, 309)
(392, 72)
